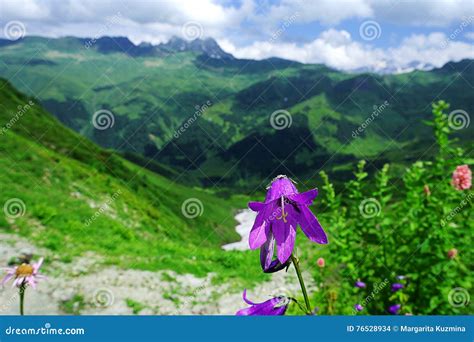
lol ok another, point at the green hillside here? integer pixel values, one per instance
(153, 93)
(78, 197)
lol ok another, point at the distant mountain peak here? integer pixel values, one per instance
(207, 46)
(386, 67)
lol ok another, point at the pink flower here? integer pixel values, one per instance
(321, 262)
(462, 177)
(452, 253)
(24, 275)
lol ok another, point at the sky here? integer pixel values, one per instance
(345, 34)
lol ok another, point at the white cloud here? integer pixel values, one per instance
(337, 49)
(422, 13)
(245, 29)
(141, 19)
(469, 35)
(324, 11)
(408, 12)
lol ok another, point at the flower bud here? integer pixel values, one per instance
(452, 253)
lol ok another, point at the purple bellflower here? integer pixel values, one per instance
(358, 307)
(394, 309)
(273, 307)
(396, 287)
(360, 284)
(277, 219)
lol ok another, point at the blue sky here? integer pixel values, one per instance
(345, 34)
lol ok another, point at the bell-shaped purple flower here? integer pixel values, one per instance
(396, 287)
(273, 307)
(394, 309)
(284, 208)
(358, 307)
(360, 284)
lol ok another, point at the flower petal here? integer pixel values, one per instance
(37, 265)
(281, 186)
(7, 278)
(244, 296)
(285, 234)
(305, 198)
(261, 227)
(258, 234)
(276, 266)
(256, 206)
(311, 226)
(17, 282)
(31, 281)
(267, 250)
(270, 307)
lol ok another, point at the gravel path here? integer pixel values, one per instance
(246, 218)
(85, 286)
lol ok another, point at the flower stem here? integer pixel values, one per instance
(22, 298)
(303, 287)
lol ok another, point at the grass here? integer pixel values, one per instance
(81, 198)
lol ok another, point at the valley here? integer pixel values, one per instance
(152, 92)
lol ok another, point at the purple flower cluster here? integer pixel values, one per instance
(277, 219)
(276, 223)
(275, 306)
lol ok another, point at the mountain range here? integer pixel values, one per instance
(194, 113)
